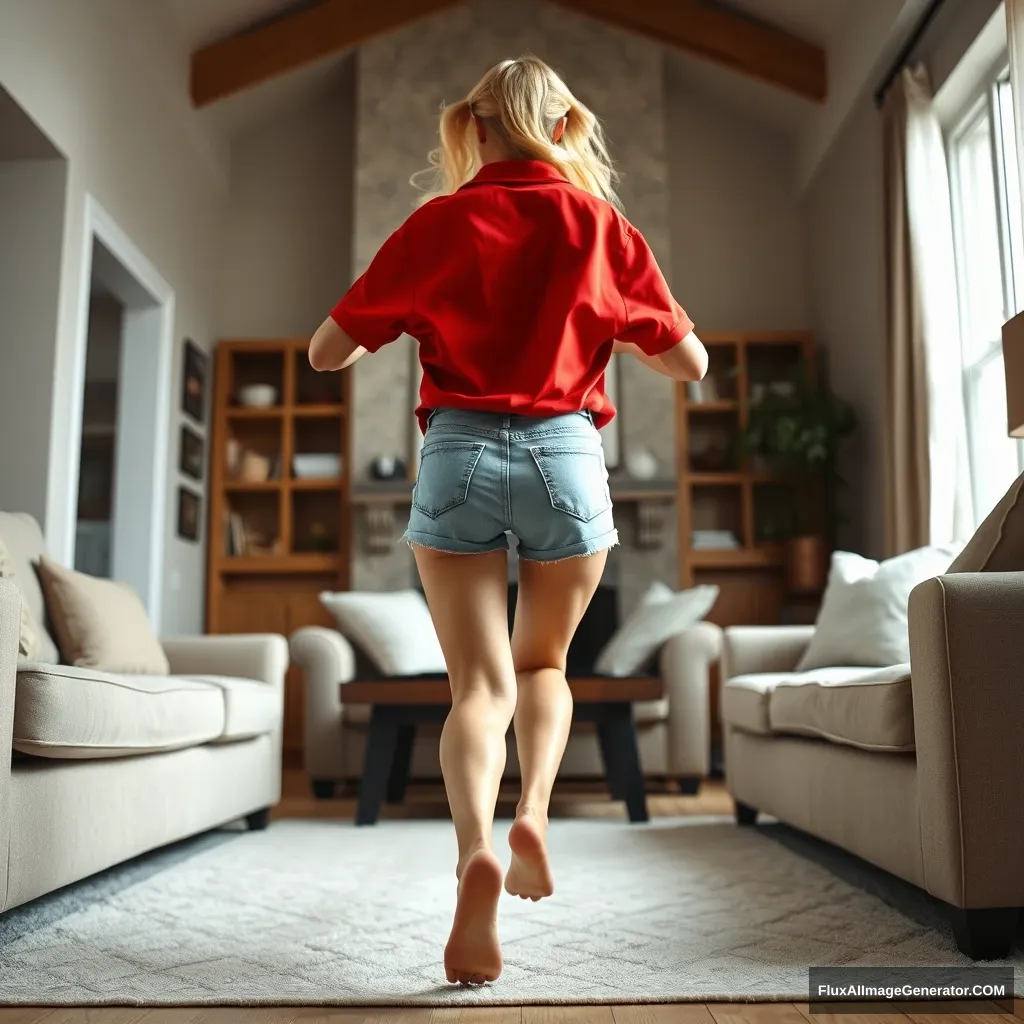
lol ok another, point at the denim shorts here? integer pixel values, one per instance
(484, 475)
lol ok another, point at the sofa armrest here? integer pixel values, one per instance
(10, 632)
(327, 660)
(966, 652)
(262, 657)
(751, 649)
(686, 662)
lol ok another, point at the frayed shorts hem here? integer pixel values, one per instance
(583, 547)
(451, 546)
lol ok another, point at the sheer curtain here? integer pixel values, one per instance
(928, 474)
(1015, 43)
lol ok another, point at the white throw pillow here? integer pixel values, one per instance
(394, 630)
(863, 616)
(661, 614)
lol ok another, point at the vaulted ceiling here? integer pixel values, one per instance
(238, 45)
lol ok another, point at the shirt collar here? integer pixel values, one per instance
(517, 172)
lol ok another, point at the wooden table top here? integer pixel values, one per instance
(591, 690)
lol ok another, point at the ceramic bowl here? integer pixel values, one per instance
(257, 396)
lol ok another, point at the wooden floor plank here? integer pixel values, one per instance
(364, 1015)
(677, 1013)
(756, 1013)
(968, 1016)
(895, 1017)
(96, 1015)
(474, 1015)
(568, 1015)
(24, 1014)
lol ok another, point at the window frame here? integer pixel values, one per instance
(986, 101)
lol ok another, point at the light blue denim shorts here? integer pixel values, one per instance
(483, 475)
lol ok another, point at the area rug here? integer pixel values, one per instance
(318, 912)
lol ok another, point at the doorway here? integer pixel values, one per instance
(120, 423)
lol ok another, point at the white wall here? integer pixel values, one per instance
(104, 82)
(32, 200)
(737, 253)
(287, 254)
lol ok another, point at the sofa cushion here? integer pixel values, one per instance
(998, 544)
(100, 624)
(250, 708)
(873, 711)
(66, 712)
(25, 546)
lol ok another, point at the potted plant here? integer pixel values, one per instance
(794, 431)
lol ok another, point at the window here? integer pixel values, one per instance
(989, 231)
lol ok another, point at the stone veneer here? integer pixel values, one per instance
(403, 80)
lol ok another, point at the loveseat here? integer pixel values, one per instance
(673, 733)
(917, 768)
(96, 768)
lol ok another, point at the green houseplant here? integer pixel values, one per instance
(794, 430)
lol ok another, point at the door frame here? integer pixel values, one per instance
(138, 544)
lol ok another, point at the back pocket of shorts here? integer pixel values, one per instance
(446, 467)
(576, 480)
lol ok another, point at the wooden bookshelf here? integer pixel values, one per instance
(719, 489)
(297, 530)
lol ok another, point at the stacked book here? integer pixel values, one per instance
(713, 540)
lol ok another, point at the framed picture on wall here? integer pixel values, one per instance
(193, 387)
(190, 457)
(189, 505)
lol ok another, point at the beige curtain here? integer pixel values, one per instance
(927, 474)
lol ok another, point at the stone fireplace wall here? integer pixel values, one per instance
(402, 81)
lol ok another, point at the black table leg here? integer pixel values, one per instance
(381, 746)
(399, 775)
(618, 742)
(612, 776)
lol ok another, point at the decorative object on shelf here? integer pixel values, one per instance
(387, 467)
(379, 525)
(189, 504)
(641, 464)
(257, 396)
(191, 454)
(712, 457)
(316, 539)
(254, 468)
(714, 540)
(796, 430)
(193, 388)
(650, 523)
(235, 539)
(317, 466)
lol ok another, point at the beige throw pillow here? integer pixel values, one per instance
(100, 624)
(998, 544)
(29, 636)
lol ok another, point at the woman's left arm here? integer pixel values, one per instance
(332, 349)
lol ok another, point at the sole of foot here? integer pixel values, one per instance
(473, 953)
(529, 875)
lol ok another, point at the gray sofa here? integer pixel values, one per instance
(917, 768)
(98, 768)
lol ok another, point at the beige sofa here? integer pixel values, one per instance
(673, 733)
(918, 768)
(96, 768)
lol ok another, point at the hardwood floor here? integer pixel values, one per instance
(425, 801)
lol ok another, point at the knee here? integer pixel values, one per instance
(494, 698)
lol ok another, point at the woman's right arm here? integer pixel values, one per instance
(686, 360)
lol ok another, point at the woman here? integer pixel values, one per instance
(519, 278)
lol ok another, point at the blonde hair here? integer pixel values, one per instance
(521, 101)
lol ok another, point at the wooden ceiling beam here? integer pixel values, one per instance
(295, 40)
(719, 35)
(331, 26)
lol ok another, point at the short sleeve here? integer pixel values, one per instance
(376, 310)
(654, 320)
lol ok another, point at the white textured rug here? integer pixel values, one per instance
(325, 913)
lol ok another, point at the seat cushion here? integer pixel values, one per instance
(25, 546)
(66, 712)
(873, 711)
(870, 709)
(250, 708)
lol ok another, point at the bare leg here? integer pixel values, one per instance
(468, 598)
(552, 599)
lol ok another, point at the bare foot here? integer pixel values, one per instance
(473, 953)
(529, 875)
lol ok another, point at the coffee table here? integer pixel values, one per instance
(400, 705)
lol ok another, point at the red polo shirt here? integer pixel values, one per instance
(515, 288)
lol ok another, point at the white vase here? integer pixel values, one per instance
(641, 464)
